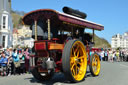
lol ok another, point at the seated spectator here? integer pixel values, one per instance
(3, 64)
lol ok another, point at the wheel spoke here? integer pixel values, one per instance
(73, 52)
(76, 49)
(93, 63)
(73, 72)
(77, 54)
(94, 60)
(72, 66)
(79, 63)
(95, 68)
(76, 69)
(81, 57)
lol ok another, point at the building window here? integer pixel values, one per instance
(115, 39)
(3, 41)
(115, 45)
(4, 21)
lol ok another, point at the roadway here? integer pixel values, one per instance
(111, 74)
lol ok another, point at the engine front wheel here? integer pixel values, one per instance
(94, 64)
(74, 60)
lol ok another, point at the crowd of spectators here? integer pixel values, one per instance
(14, 61)
(114, 55)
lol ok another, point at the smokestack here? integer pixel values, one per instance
(74, 12)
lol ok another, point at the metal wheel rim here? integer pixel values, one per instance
(78, 61)
(96, 64)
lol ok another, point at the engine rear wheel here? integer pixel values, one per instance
(74, 60)
(94, 64)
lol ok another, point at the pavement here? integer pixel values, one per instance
(115, 73)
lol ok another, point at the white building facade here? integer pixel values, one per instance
(22, 37)
(6, 25)
(120, 41)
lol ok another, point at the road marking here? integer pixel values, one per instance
(124, 65)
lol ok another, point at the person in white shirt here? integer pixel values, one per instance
(110, 55)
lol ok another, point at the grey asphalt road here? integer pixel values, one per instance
(111, 74)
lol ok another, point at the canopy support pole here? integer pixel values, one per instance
(49, 37)
(93, 36)
(35, 30)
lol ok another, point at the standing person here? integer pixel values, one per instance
(102, 54)
(26, 59)
(19, 50)
(16, 62)
(117, 55)
(110, 55)
(106, 55)
(22, 62)
(114, 56)
(8, 54)
(121, 55)
(10, 60)
(20, 54)
(125, 55)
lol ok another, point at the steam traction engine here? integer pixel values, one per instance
(61, 44)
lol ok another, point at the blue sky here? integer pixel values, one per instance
(113, 14)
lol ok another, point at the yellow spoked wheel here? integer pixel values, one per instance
(95, 64)
(74, 60)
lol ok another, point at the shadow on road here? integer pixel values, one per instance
(57, 78)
